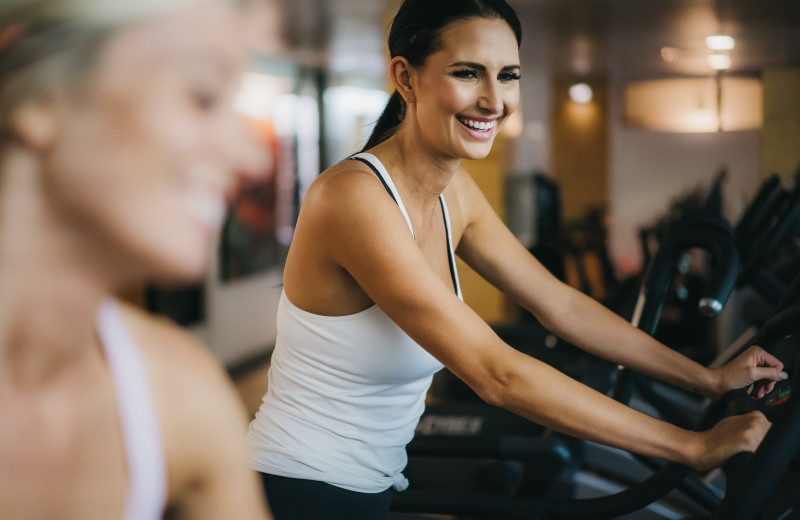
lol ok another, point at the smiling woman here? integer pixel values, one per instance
(371, 305)
(416, 35)
(465, 95)
(118, 146)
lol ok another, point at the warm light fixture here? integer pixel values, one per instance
(694, 104)
(670, 54)
(719, 61)
(720, 42)
(580, 93)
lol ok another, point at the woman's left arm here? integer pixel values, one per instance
(491, 249)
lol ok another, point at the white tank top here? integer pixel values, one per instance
(345, 393)
(147, 486)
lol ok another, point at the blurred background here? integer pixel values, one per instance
(629, 113)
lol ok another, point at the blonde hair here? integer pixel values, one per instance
(44, 43)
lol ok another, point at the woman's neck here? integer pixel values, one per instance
(49, 294)
(415, 170)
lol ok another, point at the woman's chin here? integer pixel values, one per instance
(180, 269)
(476, 153)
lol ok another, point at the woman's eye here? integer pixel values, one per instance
(466, 74)
(204, 100)
(509, 76)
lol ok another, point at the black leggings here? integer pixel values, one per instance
(299, 499)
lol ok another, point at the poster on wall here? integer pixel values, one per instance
(261, 216)
(248, 243)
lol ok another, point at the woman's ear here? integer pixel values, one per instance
(401, 72)
(34, 123)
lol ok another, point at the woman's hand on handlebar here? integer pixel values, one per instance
(728, 437)
(753, 366)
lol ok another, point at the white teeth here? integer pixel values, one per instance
(478, 125)
(207, 208)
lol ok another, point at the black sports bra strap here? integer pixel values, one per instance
(450, 260)
(377, 174)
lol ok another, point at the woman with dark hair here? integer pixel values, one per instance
(371, 306)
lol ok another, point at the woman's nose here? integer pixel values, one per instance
(490, 99)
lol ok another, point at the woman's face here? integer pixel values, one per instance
(147, 146)
(468, 88)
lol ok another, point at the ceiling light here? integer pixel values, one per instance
(580, 93)
(670, 54)
(720, 42)
(719, 61)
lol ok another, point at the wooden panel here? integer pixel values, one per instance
(780, 136)
(580, 149)
(580, 165)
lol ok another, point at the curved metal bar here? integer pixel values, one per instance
(756, 215)
(786, 222)
(712, 234)
(612, 506)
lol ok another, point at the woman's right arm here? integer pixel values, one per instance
(357, 227)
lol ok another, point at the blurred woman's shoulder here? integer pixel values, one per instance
(201, 416)
(167, 350)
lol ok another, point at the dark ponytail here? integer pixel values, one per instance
(389, 121)
(415, 36)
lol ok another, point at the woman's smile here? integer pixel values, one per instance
(481, 129)
(206, 208)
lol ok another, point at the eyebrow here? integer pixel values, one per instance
(478, 66)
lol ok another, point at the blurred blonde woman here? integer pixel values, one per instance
(117, 151)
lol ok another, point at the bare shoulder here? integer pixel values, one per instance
(202, 419)
(190, 386)
(173, 357)
(195, 399)
(344, 183)
(344, 198)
